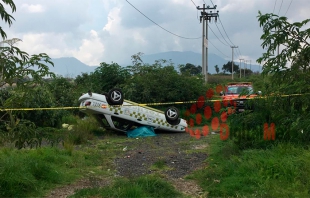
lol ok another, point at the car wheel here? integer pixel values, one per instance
(115, 97)
(172, 114)
(106, 97)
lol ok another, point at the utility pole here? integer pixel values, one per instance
(250, 67)
(244, 67)
(2, 71)
(203, 37)
(205, 17)
(232, 61)
(240, 66)
(278, 50)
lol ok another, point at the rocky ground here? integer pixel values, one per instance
(173, 155)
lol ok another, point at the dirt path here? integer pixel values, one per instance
(179, 154)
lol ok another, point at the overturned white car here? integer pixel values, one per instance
(113, 112)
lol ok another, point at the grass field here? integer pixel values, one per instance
(282, 170)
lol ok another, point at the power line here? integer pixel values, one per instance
(159, 25)
(216, 36)
(239, 51)
(280, 7)
(274, 7)
(217, 49)
(212, 2)
(194, 3)
(225, 31)
(195, 7)
(222, 34)
(288, 7)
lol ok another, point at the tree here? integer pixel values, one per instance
(217, 69)
(16, 64)
(190, 69)
(247, 72)
(291, 67)
(136, 63)
(287, 73)
(15, 67)
(6, 16)
(227, 67)
(158, 83)
(108, 76)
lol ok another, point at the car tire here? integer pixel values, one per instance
(172, 114)
(115, 97)
(106, 97)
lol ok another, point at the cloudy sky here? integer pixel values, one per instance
(95, 31)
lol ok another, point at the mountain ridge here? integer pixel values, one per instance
(72, 67)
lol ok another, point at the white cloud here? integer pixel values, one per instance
(33, 8)
(113, 24)
(91, 50)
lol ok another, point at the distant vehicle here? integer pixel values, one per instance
(113, 112)
(238, 93)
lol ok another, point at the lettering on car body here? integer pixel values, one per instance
(96, 104)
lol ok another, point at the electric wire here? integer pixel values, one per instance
(159, 25)
(212, 3)
(194, 3)
(219, 29)
(216, 36)
(239, 51)
(218, 49)
(280, 7)
(274, 7)
(225, 31)
(195, 7)
(288, 7)
(222, 34)
(222, 25)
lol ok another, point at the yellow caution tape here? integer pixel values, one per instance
(136, 104)
(39, 108)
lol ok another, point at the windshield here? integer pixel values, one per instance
(240, 90)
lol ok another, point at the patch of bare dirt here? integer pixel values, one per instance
(89, 182)
(180, 153)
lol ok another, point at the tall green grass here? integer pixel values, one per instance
(280, 171)
(288, 113)
(82, 130)
(30, 172)
(33, 172)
